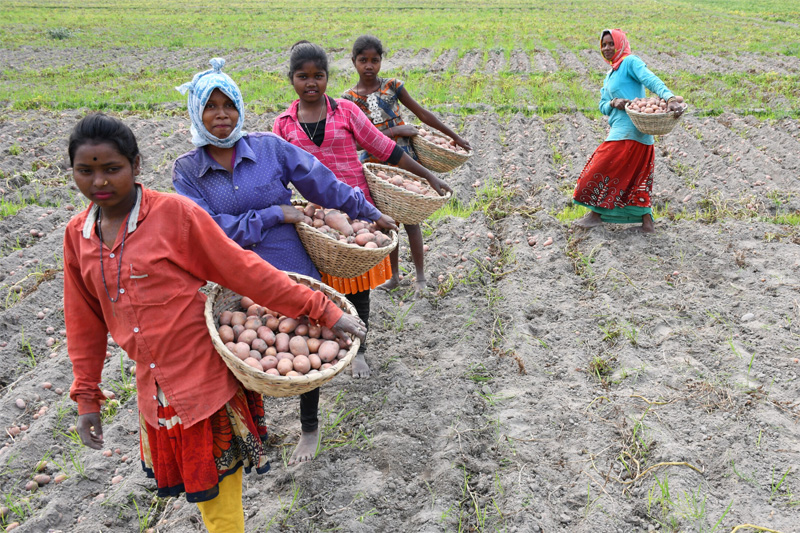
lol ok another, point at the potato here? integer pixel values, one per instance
(313, 344)
(242, 350)
(237, 330)
(301, 329)
(238, 318)
(342, 353)
(268, 362)
(247, 336)
(225, 334)
(253, 363)
(338, 221)
(266, 335)
(225, 318)
(327, 334)
(271, 351)
(246, 302)
(370, 245)
(287, 325)
(273, 371)
(397, 180)
(364, 238)
(325, 366)
(315, 361)
(328, 351)
(285, 366)
(310, 209)
(253, 323)
(272, 323)
(293, 374)
(255, 310)
(259, 345)
(282, 342)
(301, 364)
(298, 345)
(358, 226)
(255, 354)
(231, 346)
(314, 331)
(284, 355)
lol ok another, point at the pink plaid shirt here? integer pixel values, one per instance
(345, 126)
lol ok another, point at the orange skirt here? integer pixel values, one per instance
(370, 279)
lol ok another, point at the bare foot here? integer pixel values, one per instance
(420, 287)
(389, 285)
(360, 366)
(306, 449)
(648, 226)
(589, 220)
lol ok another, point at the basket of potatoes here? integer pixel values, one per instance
(272, 354)
(650, 115)
(438, 152)
(339, 246)
(405, 197)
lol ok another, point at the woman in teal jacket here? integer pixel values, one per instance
(616, 182)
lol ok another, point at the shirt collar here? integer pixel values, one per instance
(91, 218)
(243, 151)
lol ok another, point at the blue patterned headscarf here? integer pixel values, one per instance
(200, 89)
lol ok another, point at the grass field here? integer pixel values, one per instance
(74, 52)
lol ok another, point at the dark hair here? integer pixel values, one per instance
(304, 51)
(99, 128)
(367, 42)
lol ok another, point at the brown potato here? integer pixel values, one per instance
(370, 245)
(242, 350)
(327, 334)
(253, 363)
(313, 344)
(338, 221)
(284, 355)
(231, 346)
(259, 345)
(293, 373)
(246, 302)
(271, 351)
(225, 334)
(282, 342)
(253, 323)
(301, 329)
(255, 354)
(238, 319)
(325, 366)
(314, 331)
(285, 366)
(255, 310)
(247, 336)
(266, 334)
(328, 351)
(237, 330)
(341, 354)
(287, 325)
(272, 323)
(273, 371)
(315, 361)
(301, 364)
(268, 361)
(298, 345)
(225, 318)
(364, 238)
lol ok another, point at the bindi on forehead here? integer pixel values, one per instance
(94, 159)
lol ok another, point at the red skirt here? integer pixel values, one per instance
(618, 174)
(195, 459)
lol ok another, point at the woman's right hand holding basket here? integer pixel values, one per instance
(349, 324)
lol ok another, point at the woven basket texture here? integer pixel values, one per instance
(655, 123)
(402, 205)
(434, 157)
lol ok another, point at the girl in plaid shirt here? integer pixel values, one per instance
(330, 130)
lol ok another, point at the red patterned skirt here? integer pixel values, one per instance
(195, 459)
(618, 174)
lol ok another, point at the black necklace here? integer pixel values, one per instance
(121, 250)
(319, 119)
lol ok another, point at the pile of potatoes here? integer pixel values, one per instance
(441, 141)
(398, 180)
(338, 226)
(277, 344)
(651, 105)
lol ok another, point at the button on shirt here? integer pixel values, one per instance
(629, 81)
(171, 248)
(246, 204)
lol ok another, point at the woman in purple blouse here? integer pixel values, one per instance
(242, 181)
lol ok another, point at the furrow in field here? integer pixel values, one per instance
(543, 60)
(520, 62)
(444, 61)
(495, 63)
(470, 62)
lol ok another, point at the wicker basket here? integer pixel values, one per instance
(653, 123)
(338, 258)
(222, 299)
(402, 205)
(434, 157)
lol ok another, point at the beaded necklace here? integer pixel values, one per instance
(121, 251)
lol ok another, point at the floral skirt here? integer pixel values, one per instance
(375, 276)
(194, 459)
(618, 175)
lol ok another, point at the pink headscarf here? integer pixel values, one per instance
(622, 47)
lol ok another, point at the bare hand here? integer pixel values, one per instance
(405, 130)
(90, 430)
(386, 222)
(292, 215)
(439, 185)
(619, 103)
(350, 324)
(462, 143)
(677, 107)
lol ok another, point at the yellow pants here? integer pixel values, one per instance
(225, 514)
